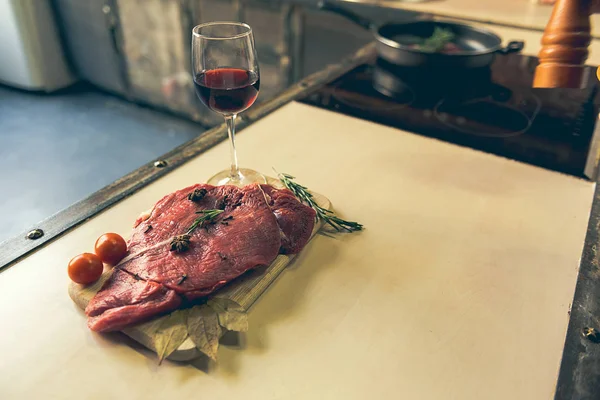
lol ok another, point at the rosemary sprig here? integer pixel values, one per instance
(205, 215)
(181, 243)
(323, 214)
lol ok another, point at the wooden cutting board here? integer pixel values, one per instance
(244, 291)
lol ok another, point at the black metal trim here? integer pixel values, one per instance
(53, 227)
(579, 376)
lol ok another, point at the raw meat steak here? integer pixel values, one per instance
(295, 220)
(130, 300)
(258, 221)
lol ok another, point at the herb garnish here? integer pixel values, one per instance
(323, 214)
(206, 216)
(437, 41)
(197, 195)
(180, 243)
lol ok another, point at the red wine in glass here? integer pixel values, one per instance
(227, 90)
(226, 77)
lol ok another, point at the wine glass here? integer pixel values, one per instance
(227, 81)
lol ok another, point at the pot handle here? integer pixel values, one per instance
(513, 46)
(357, 19)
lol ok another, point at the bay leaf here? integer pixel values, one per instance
(204, 330)
(170, 334)
(231, 315)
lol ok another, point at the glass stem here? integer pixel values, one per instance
(235, 171)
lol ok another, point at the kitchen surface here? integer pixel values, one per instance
(373, 306)
(477, 193)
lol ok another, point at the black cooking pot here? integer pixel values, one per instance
(478, 47)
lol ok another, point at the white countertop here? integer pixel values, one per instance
(458, 288)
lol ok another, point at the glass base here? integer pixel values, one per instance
(246, 177)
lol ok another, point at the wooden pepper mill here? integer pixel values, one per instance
(565, 45)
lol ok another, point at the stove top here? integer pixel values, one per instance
(492, 109)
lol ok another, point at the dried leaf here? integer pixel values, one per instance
(204, 330)
(171, 333)
(232, 316)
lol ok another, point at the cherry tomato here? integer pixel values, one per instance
(85, 268)
(111, 248)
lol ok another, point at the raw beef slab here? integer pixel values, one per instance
(258, 222)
